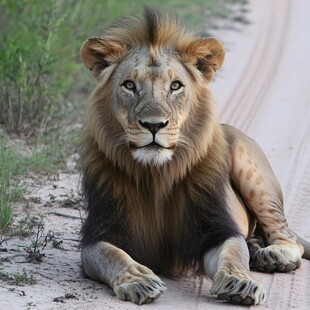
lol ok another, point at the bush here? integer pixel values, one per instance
(7, 158)
(39, 47)
(35, 70)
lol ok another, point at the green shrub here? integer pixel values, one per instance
(36, 67)
(39, 53)
(6, 193)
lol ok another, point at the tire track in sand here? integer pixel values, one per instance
(245, 100)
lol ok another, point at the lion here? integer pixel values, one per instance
(169, 190)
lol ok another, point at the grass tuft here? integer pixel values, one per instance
(18, 278)
(6, 187)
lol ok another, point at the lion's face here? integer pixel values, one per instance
(151, 85)
(152, 102)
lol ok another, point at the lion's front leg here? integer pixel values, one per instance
(129, 280)
(228, 266)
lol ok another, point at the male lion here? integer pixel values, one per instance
(168, 189)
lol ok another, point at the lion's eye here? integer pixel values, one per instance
(129, 85)
(176, 85)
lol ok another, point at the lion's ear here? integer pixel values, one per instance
(208, 56)
(98, 53)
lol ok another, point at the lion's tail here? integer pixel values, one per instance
(306, 245)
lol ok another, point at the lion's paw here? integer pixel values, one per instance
(238, 288)
(277, 258)
(138, 284)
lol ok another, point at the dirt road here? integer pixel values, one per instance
(264, 90)
(269, 99)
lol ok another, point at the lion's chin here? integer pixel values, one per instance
(152, 156)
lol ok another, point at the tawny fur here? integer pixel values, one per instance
(190, 208)
(105, 154)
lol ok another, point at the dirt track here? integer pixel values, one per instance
(263, 89)
(269, 100)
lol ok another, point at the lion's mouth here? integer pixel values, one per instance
(152, 146)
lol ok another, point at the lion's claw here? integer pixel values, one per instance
(237, 299)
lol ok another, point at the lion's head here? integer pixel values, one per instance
(152, 101)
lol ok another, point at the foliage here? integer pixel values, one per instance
(39, 47)
(17, 278)
(25, 227)
(6, 190)
(36, 68)
(46, 157)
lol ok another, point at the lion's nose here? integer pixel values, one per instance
(154, 127)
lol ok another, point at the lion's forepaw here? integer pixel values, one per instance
(277, 258)
(138, 284)
(237, 288)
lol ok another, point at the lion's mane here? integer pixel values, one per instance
(156, 214)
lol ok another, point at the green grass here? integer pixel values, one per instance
(7, 161)
(40, 68)
(48, 156)
(18, 278)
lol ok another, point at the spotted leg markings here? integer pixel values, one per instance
(262, 194)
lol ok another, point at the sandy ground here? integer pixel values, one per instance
(263, 89)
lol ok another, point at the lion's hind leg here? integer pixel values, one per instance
(129, 280)
(228, 266)
(260, 190)
(270, 258)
